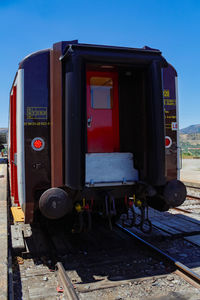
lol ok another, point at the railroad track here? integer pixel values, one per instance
(93, 271)
(63, 274)
(191, 205)
(182, 270)
(193, 190)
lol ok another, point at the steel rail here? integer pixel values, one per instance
(183, 210)
(185, 272)
(194, 185)
(194, 197)
(66, 283)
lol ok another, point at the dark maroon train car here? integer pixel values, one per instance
(87, 131)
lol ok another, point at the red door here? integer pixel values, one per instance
(102, 112)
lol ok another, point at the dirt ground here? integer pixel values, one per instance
(190, 170)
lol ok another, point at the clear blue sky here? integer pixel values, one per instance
(173, 26)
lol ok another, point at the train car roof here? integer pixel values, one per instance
(144, 49)
(32, 55)
(75, 45)
(68, 46)
(114, 54)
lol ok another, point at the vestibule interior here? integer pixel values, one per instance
(132, 95)
(133, 99)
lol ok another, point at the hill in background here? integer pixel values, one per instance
(191, 129)
(190, 141)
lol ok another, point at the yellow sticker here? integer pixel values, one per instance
(37, 113)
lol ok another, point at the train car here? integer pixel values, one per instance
(93, 129)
